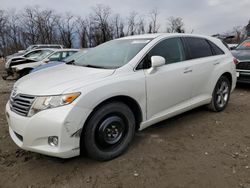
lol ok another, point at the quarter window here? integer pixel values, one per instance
(216, 49)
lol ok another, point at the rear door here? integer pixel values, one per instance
(204, 62)
(171, 84)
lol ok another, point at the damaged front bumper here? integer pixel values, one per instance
(32, 133)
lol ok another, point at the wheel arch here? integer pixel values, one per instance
(129, 101)
(132, 104)
(228, 75)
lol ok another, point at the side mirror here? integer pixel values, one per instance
(46, 60)
(233, 48)
(156, 61)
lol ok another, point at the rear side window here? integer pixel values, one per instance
(198, 48)
(215, 48)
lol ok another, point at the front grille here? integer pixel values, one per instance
(21, 104)
(243, 66)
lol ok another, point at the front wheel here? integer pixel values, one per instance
(109, 131)
(221, 94)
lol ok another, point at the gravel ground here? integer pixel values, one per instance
(196, 149)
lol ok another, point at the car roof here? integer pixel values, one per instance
(46, 45)
(45, 49)
(65, 50)
(153, 36)
(54, 49)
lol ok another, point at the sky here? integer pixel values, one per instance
(200, 16)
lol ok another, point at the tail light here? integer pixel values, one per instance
(235, 61)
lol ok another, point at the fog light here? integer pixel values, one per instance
(53, 140)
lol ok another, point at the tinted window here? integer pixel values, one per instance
(198, 48)
(216, 49)
(170, 49)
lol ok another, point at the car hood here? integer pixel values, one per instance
(242, 55)
(47, 65)
(59, 79)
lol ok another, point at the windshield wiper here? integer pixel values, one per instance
(94, 66)
(72, 62)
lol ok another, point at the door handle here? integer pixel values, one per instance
(217, 63)
(187, 71)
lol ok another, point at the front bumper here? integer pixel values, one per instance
(243, 76)
(31, 133)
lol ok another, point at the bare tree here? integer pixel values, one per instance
(141, 26)
(30, 32)
(14, 32)
(154, 26)
(66, 27)
(118, 26)
(101, 22)
(82, 30)
(239, 34)
(34, 25)
(47, 23)
(132, 23)
(248, 29)
(175, 25)
(3, 32)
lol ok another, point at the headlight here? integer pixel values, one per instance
(47, 102)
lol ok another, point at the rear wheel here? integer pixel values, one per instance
(221, 94)
(109, 131)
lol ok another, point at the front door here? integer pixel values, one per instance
(171, 84)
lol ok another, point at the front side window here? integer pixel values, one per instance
(171, 49)
(198, 47)
(55, 57)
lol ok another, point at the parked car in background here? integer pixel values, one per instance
(32, 47)
(69, 59)
(23, 68)
(30, 56)
(242, 54)
(232, 46)
(96, 104)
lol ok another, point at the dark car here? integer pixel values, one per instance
(242, 54)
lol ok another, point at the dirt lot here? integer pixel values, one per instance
(197, 149)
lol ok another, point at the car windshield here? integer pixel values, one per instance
(74, 57)
(32, 54)
(42, 55)
(112, 54)
(30, 48)
(244, 45)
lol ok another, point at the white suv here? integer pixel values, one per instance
(95, 104)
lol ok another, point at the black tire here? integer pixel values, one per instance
(221, 95)
(109, 131)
